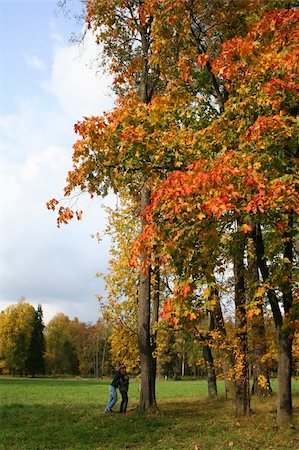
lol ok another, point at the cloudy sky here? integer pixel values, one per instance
(46, 85)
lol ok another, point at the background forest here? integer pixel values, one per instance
(67, 347)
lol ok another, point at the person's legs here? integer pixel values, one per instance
(124, 401)
(121, 409)
(112, 399)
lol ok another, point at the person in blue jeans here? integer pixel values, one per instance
(113, 389)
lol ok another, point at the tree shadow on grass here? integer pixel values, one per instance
(176, 425)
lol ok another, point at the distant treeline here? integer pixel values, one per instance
(64, 346)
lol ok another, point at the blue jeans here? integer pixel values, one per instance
(112, 399)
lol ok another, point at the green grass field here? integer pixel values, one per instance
(39, 414)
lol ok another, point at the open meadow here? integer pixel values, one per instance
(68, 414)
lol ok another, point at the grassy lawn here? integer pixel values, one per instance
(39, 414)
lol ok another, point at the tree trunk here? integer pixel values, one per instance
(284, 340)
(155, 318)
(217, 323)
(210, 370)
(241, 354)
(261, 380)
(284, 395)
(147, 366)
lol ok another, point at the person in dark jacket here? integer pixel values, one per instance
(113, 389)
(124, 387)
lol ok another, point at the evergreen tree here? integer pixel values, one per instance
(36, 362)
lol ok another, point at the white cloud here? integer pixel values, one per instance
(49, 266)
(35, 62)
(76, 82)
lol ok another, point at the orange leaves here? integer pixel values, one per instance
(265, 62)
(203, 59)
(266, 124)
(51, 204)
(246, 228)
(223, 65)
(179, 313)
(167, 310)
(65, 214)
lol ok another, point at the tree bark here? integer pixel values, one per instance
(217, 323)
(241, 355)
(155, 318)
(147, 361)
(284, 376)
(210, 370)
(284, 339)
(259, 369)
(147, 365)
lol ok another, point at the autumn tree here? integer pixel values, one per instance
(61, 355)
(89, 342)
(16, 327)
(120, 308)
(163, 104)
(251, 178)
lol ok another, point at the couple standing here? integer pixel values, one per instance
(121, 381)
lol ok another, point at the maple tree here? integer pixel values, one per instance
(250, 178)
(123, 28)
(162, 54)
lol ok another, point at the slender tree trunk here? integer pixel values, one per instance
(147, 361)
(210, 370)
(284, 339)
(261, 380)
(103, 356)
(147, 365)
(217, 323)
(155, 318)
(241, 355)
(284, 377)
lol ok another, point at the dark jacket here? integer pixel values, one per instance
(124, 384)
(116, 380)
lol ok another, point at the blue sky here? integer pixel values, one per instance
(47, 83)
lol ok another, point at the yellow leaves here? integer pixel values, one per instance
(263, 383)
(16, 322)
(260, 292)
(207, 292)
(190, 315)
(79, 215)
(253, 312)
(200, 216)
